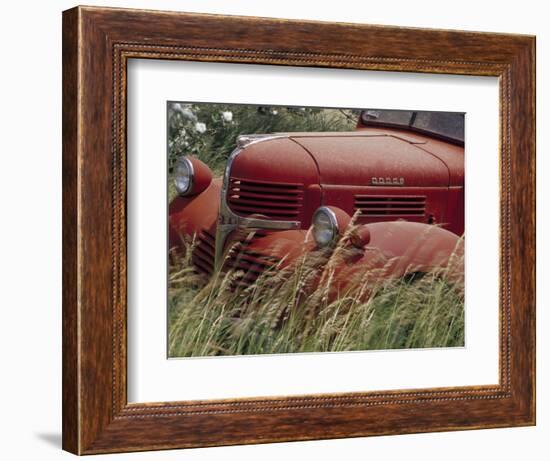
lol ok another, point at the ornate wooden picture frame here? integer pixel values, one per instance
(97, 44)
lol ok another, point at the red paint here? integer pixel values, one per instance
(399, 183)
(202, 176)
(354, 159)
(393, 250)
(188, 216)
(277, 179)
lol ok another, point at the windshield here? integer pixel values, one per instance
(447, 125)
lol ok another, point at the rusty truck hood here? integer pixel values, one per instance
(355, 158)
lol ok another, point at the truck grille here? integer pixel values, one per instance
(391, 205)
(204, 251)
(278, 201)
(248, 263)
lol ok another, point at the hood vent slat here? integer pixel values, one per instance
(391, 205)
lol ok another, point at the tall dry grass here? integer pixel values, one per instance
(295, 310)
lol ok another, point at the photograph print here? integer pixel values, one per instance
(306, 229)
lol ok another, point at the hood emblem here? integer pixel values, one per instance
(376, 181)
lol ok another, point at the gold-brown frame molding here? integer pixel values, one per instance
(97, 43)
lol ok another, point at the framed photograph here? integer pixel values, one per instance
(280, 230)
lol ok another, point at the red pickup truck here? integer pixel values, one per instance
(398, 179)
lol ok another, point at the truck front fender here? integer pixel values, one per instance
(189, 216)
(398, 248)
(407, 247)
(395, 249)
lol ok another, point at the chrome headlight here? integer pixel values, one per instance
(183, 175)
(325, 226)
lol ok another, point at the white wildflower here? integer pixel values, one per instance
(274, 111)
(227, 116)
(200, 127)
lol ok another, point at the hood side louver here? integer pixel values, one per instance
(391, 205)
(278, 201)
